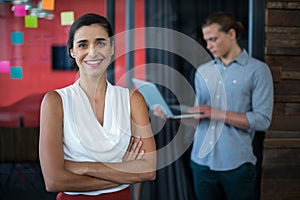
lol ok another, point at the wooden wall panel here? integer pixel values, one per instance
(287, 98)
(277, 17)
(281, 154)
(282, 50)
(285, 123)
(281, 164)
(283, 37)
(291, 75)
(19, 144)
(290, 109)
(288, 87)
(281, 4)
(284, 61)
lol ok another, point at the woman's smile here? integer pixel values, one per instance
(93, 63)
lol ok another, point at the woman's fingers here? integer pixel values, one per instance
(125, 157)
(134, 151)
(140, 155)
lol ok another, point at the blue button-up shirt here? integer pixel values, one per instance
(243, 86)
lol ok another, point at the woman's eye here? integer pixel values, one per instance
(101, 44)
(82, 45)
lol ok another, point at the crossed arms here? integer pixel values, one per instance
(139, 163)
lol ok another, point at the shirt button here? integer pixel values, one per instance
(234, 81)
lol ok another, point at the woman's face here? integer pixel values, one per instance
(92, 50)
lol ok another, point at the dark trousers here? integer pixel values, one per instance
(237, 184)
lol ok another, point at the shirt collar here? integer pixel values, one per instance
(242, 59)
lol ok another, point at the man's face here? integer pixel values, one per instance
(218, 42)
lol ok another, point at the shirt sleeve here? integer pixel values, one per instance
(262, 99)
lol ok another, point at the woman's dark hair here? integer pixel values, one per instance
(226, 20)
(87, 20)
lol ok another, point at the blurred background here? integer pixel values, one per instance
(33, 61)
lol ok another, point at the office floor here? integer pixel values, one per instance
(22, 181)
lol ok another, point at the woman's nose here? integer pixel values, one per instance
(92, 50)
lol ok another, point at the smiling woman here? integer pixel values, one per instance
(95, 138)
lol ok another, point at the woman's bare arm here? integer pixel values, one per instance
(56, 177)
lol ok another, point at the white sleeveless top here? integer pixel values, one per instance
(85, 139)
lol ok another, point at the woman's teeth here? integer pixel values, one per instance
(93, 62)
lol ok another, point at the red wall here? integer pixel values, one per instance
(35, 56)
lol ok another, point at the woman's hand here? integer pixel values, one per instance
(134, 151)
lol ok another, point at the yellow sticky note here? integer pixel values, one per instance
(31, 21)
(67, 18)
(48, 4)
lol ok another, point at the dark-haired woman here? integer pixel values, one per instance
(95, 138)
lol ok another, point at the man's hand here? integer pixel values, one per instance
(207, 112)
(159, 112)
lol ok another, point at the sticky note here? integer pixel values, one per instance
(16, 72)
(48, 4)
(67, 18)
(4, 66)
(17, 38)
(19, 10)
(31, 21)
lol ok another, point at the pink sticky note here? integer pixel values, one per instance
(19, 10)
(4, 66)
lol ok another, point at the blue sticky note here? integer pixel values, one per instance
(17, 38)
(16, 72)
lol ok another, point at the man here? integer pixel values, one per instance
(235, 94)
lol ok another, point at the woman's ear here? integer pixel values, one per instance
(112, 50)
(72, 53)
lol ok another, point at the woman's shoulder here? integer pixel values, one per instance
(52, 98)
(139, 109)
(136, 96)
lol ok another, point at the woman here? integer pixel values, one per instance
(95, 138)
